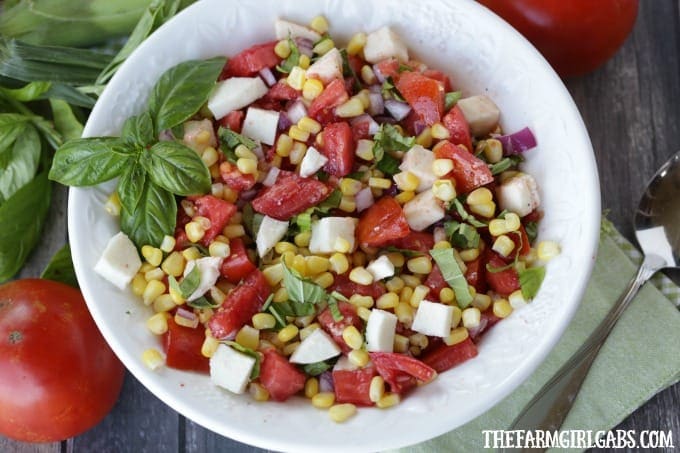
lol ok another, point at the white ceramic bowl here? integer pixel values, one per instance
(483, 55)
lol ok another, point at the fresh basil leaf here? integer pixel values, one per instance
(301, 290)
(279, 311)
(202, 302)
(531, 229)
(11, 125)
(46, 128)
(251, 220)
(89, 161)
(182, 90)
(65, 121)
(60, 268)
(331, 202)
(131, 186)
(453, 275)
(334, 309)
(472, 220)
(451, 98)
(176, 168)
(138, 130)
(255, 373)
(388, 138)
(231, 139)
(29, 92)
(19, 161)
(22, 217)
(190, 282)
(463, 235)
(73, 96)
(292, 60)
(530, 280)
(388, 165)
(315, 369)
(154, 217)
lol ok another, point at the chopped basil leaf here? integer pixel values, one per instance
(267, 303)
(451, 98)
(462, 235)
(388, 165)
(460, 209)
(406, 252)
(504, 164)
(388, 138)
(453, 275)
(315, 369)
(332, 202)
(255, 373)
(188, 284)
(322, 176)
(279, 311)
(202, 302)
(301, 290)
(389, 90)
(358, 175)
(232, 139)
(304, 220)
(348, 71)
(293, 59)
(251, 220)
(333, 305)
(531, 229)
(403, 68)
(530, 281)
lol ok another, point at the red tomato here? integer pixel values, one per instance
(435, 281)
(388, 67)
(282, 92)
(503, 282)
(353, 386)
(241, 304)
(439, 77)
(347, 287)
(290, 195)
(415, 240)
(322, 107)
(381, 223)
(474, 274)
(217, 211)
(458, 127)
(233, 120)
(444, 357)
(58, 377)
(334, 328)
(251, 60)
(234, 179)
(575, 36)
(424, 95)
(521, 240)
(338, 147)
(469, 171)
(182, 347)
(237, 265)
(281, 379)
(400, 371)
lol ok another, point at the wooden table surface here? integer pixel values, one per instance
(631, 107)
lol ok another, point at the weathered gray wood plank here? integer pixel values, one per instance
(199, 439)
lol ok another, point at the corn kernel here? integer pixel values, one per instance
(406, 181)
(304, 63)
(263, 321)
(497, 227)
(302, 239)
(376, 389)
(219, 249)
(311, 89)
(154, 274)
(361, 276)
(493, 150)
(209, 346)
(186, 322)
(418, 339)
(419, 293)
(353, 337)
(152, 359)
(440, 132)
(405, 197)
(338, 263)
(282, 49)
(468, 255)
(481, 301)
(457, 335)
(411, 280)
(401, 343)
(404, 313)
(300, 265)
(456, 316)
(351, 108)
(248, 337)
(258, 392)
(367, 75)
(153, 289)
(512, 222)
(112, 204)
(246, 166)
(364, 313)
(396, 258)
(163, 303)
(324, 280)
(341, 245)
(361, 300)
(280, 295)
(323, 46)
(230, 195)
(146, 267)
(317, 264)
(209, 156)
(443, 189)
(296, 78)
(405, 295)
(364, 149)
(447, 296)
(419, 265)
(349, 186)
(503, 245)
(356, 43)
(323, 400)
(387, 301)
(358, 357)
(502, 308)
(153, 255)
(290, 348)
(388, 400)
(194, 231)
(347, 204)
(394, 284)
(284, 144)
(157, 324)
(319, 24)
(288, 333)
(307, 124)
(168, 244)
(234, 231)
(342, 412)
(471, 317)
(424, 139)
(441, 167)
(297, 153)
(547, 250)
(484, 209)
(307, 331)
(311, 387)
(480, 195)
(516, 299)
(380, 183)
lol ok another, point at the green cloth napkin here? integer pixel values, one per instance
(640, 358)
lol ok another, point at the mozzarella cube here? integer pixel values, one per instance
(194, 132)
(481, 114)
(384, 43)
(418, 161)
(318, 346)
(261, 125)
(380, 331)
(380, 268)
(209, 268)
(231, 369)
(433, 319)
(235, 93)
(312, 162)
(120, 261)
(285, 29)
(327, 68)
(423, 210)
(519, 194)
(327, 230)
(271, 231)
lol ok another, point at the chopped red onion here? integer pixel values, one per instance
(270, 179)
(477, 331)
(284, 122)
(365, 119)
(378, 74)
(439, 234)
(248, 195)
(375, 89)
(363, 199)
(268, 76)
(296, 112)
(385, 119)
(326, 382)
(376, 104)
(189, 316)
(517, 142)
(305, 46)
(397, 109)
(419, 126)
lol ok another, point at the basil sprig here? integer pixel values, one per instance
(151, 171)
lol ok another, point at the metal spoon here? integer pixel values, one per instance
(657, 229)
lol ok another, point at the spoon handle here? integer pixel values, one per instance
(548, 409)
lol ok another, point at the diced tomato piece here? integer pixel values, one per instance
(241, 304)
(469, 171)
(382, 223)
(347, 287)
(458, 127)
(282, 92)
(444, 357)
(415, 240)
(503, 282)
(439, 77)
(218, 211)
(413, 124)
(533, 216)
(290, 195)
(355, 63)
(237, 265)
(233, 120)
(424, 95)
(181, 239)
(474, 274)
(281, 378)
(521, 240)
(338, 147)
(435, 281)
(388, 67)
(234, 179)
(400, 371)
(182, 347)
(353, 386)
(250, 61)
(334, 328)
(321, 108)
(360, 127)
